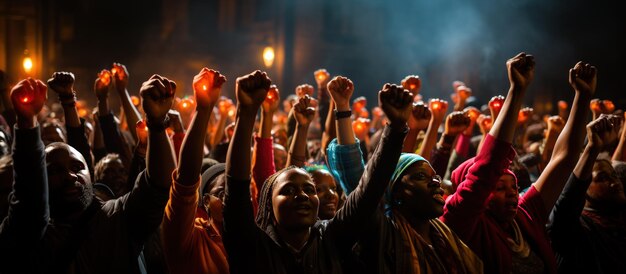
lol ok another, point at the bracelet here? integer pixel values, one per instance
(158, 126)
(342, 114)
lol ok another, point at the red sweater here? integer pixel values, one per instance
(465, 211)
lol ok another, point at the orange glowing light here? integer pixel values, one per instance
(135, 100)
(25, 99)
(268, 56)
(27, 64)
(562, 104)
(412, 86)
(231, 112)
(608, 104)
(203, 87)
(114, 71)
(473, 114)
(82, 112)
(436, 105)
(595, 105)
(185, 105)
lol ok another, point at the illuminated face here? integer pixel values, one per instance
(294, 200)
(502, 202)
(606, 189)
(327, 193)
(69, 181)
(280, 157)
(419, 191)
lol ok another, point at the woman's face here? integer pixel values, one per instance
(327, 193)
(605, 188)
(502, 202)
(294, 200)
(420, 192)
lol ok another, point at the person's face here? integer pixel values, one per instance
(115, 176)
(294, 200)
(605, 188)
(502, 202)
(52, 133)
(419, 191)
(4, 144)
(68, 179)
(327, 194)
(280, 137)
(280, 158)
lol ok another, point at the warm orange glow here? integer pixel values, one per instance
(268, 56)
(203, 87)
(608, 104)
(135, 100)
(185, 105)
(473, 114)
(114, 71)
(412, 86)
(522, 117)
(105, 78)
(595, 105)
(27, 64)
(562, 105)
(82, 112)
(435, 105)
(26, 99)
(231, 112)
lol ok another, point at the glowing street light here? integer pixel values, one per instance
(27, 63)
(268, 56)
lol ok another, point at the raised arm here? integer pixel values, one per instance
(207, 86)
(157, 95)
(120, 82)
(456, 123)
(438, 109)
(263, 146)
(620, 151)
(569, 144)
(63, 84)
(555, 127)
(29, 210)
(304, 113)
(364, 200)
(418, 122)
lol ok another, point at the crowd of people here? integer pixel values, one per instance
(269, 182)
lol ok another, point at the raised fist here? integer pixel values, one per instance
(604, 130)
(28, 97)
(420, 117)
(321, 77)
(361, 127)
(412, 83)
(521, 70)
(397, 103)
(495, 105)
(207, 86)
(304, 89)
(473, 114)
(524, 115)
(456, 122)
(62, 83)
(438, 108)
(341, 90)
(252, 89)
(272, 100)
(102, 84)
(359, 104)
(555, 124)
(224, 106)
(120, 77)
(304, 110)
(485, 122)
(157, 95)
(583, 78)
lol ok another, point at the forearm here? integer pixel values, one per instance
(297, 150)
(266, 124)
(238, 155)
(584, 167)
(71, 116)
(191, 153)
(103, 107)
(130, 112)
(345, 133)
(504, 126)
(160, 161)
(431, 138)
(218, 135)
(330, 131)
(411, 139)
(441, 154)
(570, 141)
(620, 151)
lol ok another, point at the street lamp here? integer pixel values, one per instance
(268, 56)
(27, 63)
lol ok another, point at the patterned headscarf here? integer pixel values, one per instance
(406, 160)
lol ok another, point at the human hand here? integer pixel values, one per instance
(583, 78)
(412, 83)
(207, 86)
(251, 90)
(176, 122)
(603, 131)
(321, 78)
(524, 115)
(555, 124)
(224, 106)
(62, 83)
(304, 89)
(341, 90)
(521, 70)
(272, 100)
(120, 77)
(485, 122)
(473, 114)
(304, 111)
(397, 103)
(438, 108)
(456, 122)
(361, 127)
(157, 95)
(28, 97)
(420, 117)
(495, 105)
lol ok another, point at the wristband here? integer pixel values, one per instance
(342, 114)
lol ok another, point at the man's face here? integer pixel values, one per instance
(69, 181)
(4, 144)
(113, 175)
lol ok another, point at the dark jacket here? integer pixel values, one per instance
(252, 250)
